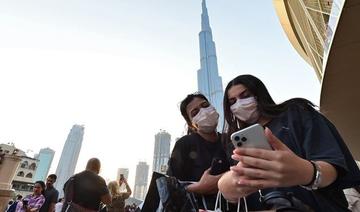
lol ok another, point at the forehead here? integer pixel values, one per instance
(196, 102)
(235, 90)
(37, 185)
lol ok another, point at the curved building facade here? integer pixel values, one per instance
(326, 33)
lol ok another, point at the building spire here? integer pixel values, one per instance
(205, 26)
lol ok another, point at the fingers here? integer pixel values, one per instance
(255, 173)
(253, 152)
(258, 183)
(275, 143)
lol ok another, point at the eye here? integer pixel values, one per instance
(245, 94)
(232, 101)
(205, 104)
(194, 112)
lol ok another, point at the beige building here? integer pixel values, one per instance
(326, 33)
(23, 181)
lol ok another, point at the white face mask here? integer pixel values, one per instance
(206, 120)
(246, 110)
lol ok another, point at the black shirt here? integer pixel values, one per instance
(51, 196)
(311, 136)
(191, 156)
(88, 189)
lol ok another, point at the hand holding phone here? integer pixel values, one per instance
(218, 166)
(250, 137)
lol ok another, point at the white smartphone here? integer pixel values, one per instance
(252, 136)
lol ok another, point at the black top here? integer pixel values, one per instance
(191, 156)
(88, 189)
(51, 196)
(311, 136)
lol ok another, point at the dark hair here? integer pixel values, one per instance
(19, 196)
(52, 176)
(265, 104)
(184, 103)
(42, 184)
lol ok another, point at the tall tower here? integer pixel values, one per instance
(209, 81)
(45, 158)
(140, 188)
(161, 151)
(69, 157)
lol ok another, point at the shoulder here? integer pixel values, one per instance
(186, 140)
(301, 109)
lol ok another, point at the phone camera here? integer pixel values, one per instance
(243, 139)
(237, 138)
(239, 144)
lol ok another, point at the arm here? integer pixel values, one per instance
(40, 201)
(104, 192)
(106, 199)
(54, 199)
(128, 189)
(206, 185)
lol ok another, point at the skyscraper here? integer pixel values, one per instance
(45, 158)
(69, 157)
(140, 188)
(161, 151)
(209, 81)
(124, 171)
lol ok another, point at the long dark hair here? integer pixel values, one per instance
(42, 184)
(184, 103)
(265, 104)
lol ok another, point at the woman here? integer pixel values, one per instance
(309, 158)
(33, 202)
(118, 198)
(193, 154)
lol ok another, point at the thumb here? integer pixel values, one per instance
(275, 143)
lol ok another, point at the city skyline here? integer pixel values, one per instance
(69, 157)
(108, 65)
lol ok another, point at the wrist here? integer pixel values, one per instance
(316, 178)
(308, 172)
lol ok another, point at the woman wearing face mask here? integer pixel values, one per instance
(309, 158)
(193, 154)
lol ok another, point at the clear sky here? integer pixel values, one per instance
(122, 67)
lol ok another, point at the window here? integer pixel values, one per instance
(29, 175)
(21, 174)
(32, 166)
(24, 164)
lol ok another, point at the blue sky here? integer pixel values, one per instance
(122, 67)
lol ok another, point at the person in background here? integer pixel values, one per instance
(12, 207)
(51, 194)
(309, 158)
(87, 189)
(59, 205)
(193, 154)
(9, 204)
(118, 198)
(34, 201)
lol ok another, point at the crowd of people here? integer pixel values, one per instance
(85, 191)
(307, 167)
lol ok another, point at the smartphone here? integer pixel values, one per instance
(219, 166)
(25, 202)
(121, 177)
(252, 136)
